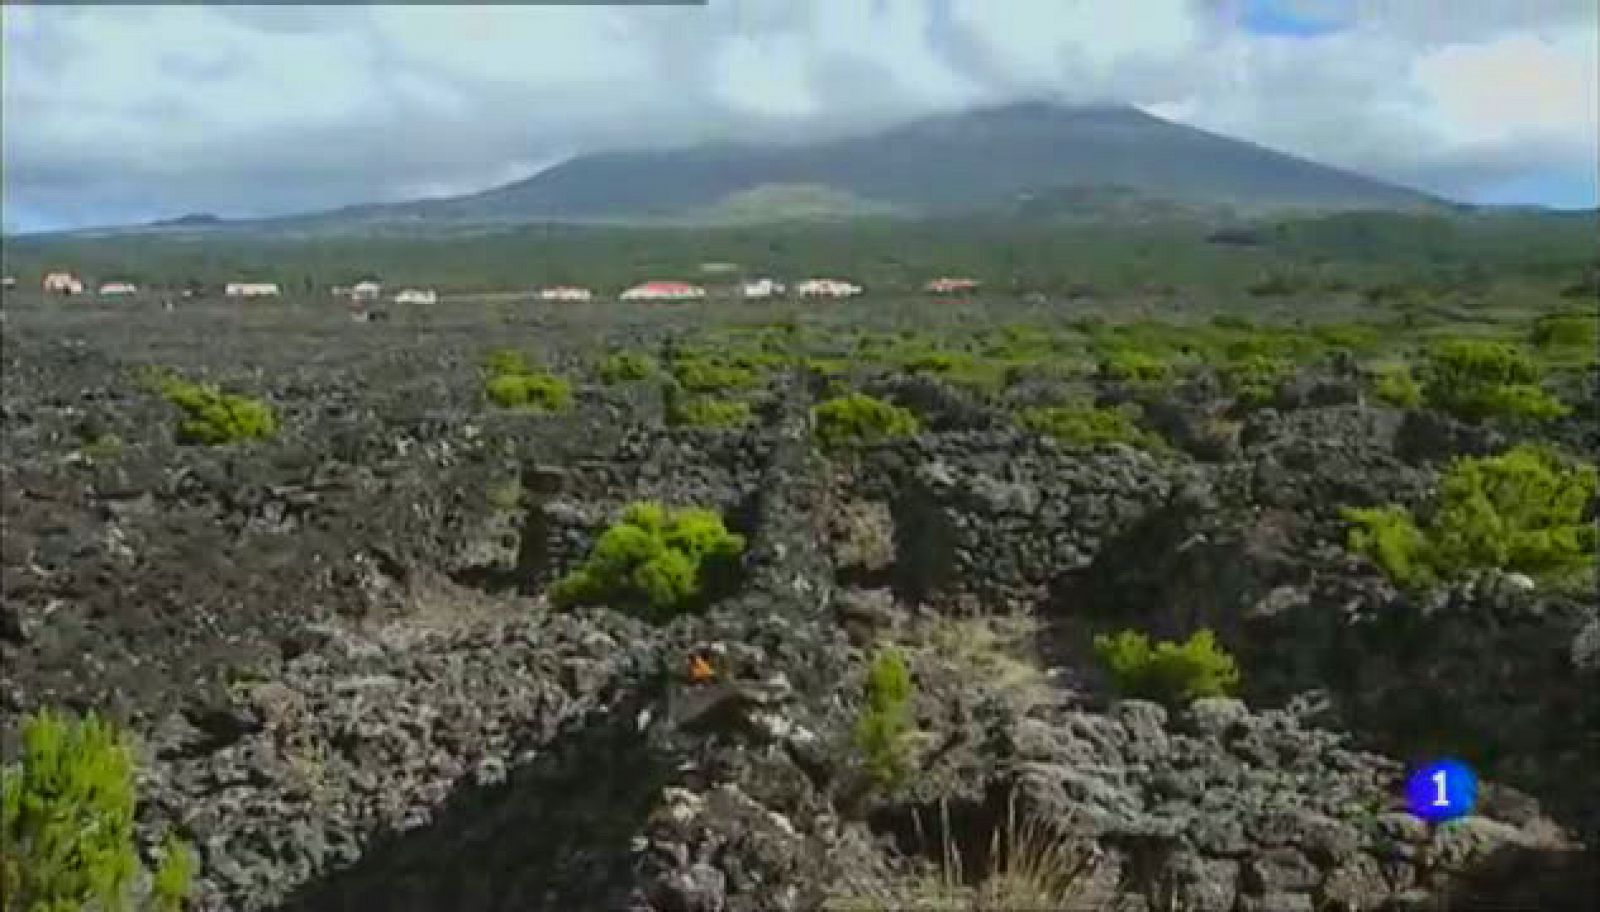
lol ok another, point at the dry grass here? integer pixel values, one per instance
(1032, 866)
(993, 652)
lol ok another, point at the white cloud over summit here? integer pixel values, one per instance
(115, 114)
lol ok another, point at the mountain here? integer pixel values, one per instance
(983, 159)
(1033, 160)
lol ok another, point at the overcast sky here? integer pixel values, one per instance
(118, 114)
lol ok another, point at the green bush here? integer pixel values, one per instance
(858, 419)
(1397, 387)
(1566, 331)
(213, 417)
(1254, 380)
(68, 812)
(539, 392)
(708, 412)
(505, 362)
(1475, 380)
(1355, 337)
(655, 562)
(626, 367)
(1137, 370)
(1390, 538)
(885, 720)
(1088, 426)
(1169, 672)
(699, 374)
(1522, 511)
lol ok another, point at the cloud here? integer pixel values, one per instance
(129, 113)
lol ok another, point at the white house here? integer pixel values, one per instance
(366, 291)
(251, 290)
(565, 293)
(118, 289)
(62, 283)
(664, 291)
(8, 282)
(945, 285)
(417, 296)
(828, 288)
(763, 288)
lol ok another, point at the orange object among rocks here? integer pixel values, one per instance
(700, 670)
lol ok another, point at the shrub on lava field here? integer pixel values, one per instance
(655, 562)
(858, 419)
(68, 812)
(1524, 511)
(1255, 379)
(1476, 380)
(513, 383)
(1390, 538)
(215, 417)
(699, 374)
(885, 722)
(1397, 387)
(1354, 337)
(1566, 331)
(1169, 672)
(505, 362)
(708, 412)
(538, 392)
(1137, 370)
(626, 367)
(1088, 426)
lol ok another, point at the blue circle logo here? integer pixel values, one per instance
(1442, 790)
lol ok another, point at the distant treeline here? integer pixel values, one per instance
(1284, 256)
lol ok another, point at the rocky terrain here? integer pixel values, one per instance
(351, 692)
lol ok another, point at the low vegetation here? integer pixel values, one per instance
(883, 728)
(1033, 864)
(213, 417)
(513, 384)
(705, 375)
(626, 367)
(1477, 380)
(1396, 386)
(1527, 511)
(1089, 426)
(1168, 672)
(1254, 379)
(857, 419)
(68, 810)
(655, 562)
(708, 412)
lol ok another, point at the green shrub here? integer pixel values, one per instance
(1136, 370)
(1389, 537)
(626, 367)
(539, 392)
(1169, 672)
(701, 374)
(68, 813)
(1234, 322)
(857, 419)
(505, 362)
(708, 412)
(885, 720)
(1476, 380)
(1355, 337)
(655, 562)
(1088, 426)
(1566, 331)
(213, 417)
(1522, 511)
(1254, 380)
(1397, 387)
